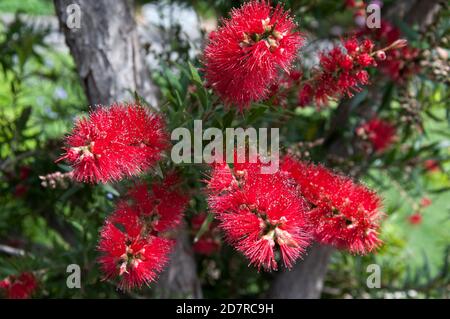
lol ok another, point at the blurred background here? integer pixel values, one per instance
(48, 222)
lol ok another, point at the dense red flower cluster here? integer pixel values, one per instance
(132, 241)
(19, 287)
(380, 133)
(259, 213)
(280, 90)
(354, 4)
(115, 142)
(341, 72)
(343, 214)
(209, 241)
(244, 56)
(400, 63)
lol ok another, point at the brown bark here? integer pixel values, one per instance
(305, 280)
(111, 68)
(178, 280)
(106, 51)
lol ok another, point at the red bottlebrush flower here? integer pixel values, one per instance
(362, 77)
(221, 179)
(387, 33)
(401, 61)
(115, 142)
(425, 202)
(280, 90)
(401, 64)
(206, 246)
(260, 213)
(381, 134)
(365, 60)
(358, 4)
(415, 219)
(163, 207)
(305, 95)
(350, 3)
(131, 241)
(367, 45)
(295, 75)
(431, 165)
(344, 214)
(135, 258)
(19, 287)
(351, 45)
(340, 73)
(244, 56)
(209, 242)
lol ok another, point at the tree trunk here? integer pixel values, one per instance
(305, 280)
(106, 50)
(178, 280)
(111, 67)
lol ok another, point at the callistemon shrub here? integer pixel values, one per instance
(259, 213)
(245, 55)
(343, 214)
(272, 218)
(114, 142)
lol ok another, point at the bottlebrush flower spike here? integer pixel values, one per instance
(135, 258)
(19, 287)
(402, 61)
(339, 73)
(344, 214)
(163, 207)
(380, 133)
(244, 56)
(115, 142)
(260, 213)
(131, 240)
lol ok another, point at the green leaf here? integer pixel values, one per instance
(204, 227)
(157, 170)
(194, 74)
(68, 193)
(228, 119)
(387, 96)
(407, 30)
(65, 168)
(256, 113)
(201, 94)
(21, 122)
(110, 189)
(359, 98)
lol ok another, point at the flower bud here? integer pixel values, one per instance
(380, 55)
